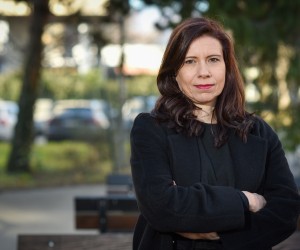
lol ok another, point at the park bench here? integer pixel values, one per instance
(116, 211)
(74, 242)
(109, 213)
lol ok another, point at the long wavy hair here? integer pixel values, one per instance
(176, 109)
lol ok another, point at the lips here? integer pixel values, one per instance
(204, 86)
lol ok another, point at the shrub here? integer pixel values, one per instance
(59, 163)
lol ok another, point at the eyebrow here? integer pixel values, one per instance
(218, 55)
(213, 55)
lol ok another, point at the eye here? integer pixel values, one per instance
(214, 59)
(190, 61)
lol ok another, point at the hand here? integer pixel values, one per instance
(256, 201)
(200, 236)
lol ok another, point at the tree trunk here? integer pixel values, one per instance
(119, 160)
(19, 159)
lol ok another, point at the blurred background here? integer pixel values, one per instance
(75, 73)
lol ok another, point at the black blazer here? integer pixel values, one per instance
(160, 155)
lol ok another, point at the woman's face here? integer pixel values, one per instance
(202, 75)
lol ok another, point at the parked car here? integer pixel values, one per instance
(77, 120)
(8, 119)
(133, 106)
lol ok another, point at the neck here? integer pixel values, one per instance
(205, 113)
(207, 108)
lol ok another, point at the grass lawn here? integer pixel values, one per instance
(59, 163)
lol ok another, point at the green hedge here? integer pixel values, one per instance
(59, 163)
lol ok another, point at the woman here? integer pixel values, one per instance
(208, 174)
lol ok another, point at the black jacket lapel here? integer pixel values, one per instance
(184, 155)
(249, 161)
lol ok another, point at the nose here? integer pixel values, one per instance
(203, 70)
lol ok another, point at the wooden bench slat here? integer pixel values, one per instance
(74, 242)
(110, 213)
(121, 222)
(87, 221)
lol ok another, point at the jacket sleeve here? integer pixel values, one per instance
(170, 208)
(278, 219)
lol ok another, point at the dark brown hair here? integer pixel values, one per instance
(177, 110)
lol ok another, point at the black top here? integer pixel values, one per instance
(216, 163)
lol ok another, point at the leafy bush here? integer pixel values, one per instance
(59, 163)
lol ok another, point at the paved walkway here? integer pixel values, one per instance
(40, 211)
(51, 211)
